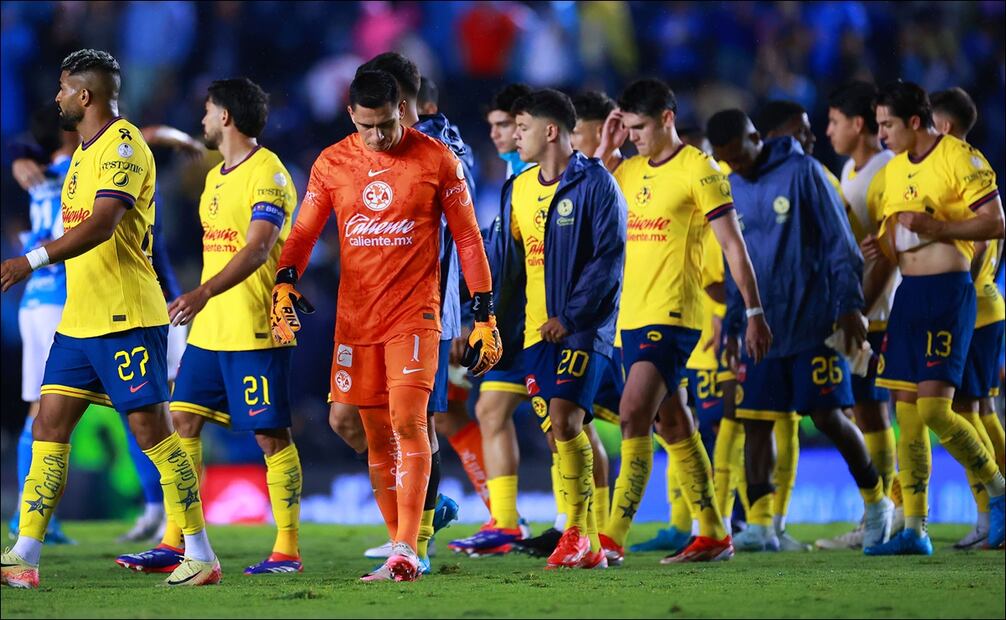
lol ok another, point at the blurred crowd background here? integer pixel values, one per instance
(714, 54)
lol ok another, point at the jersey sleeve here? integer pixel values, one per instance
(875, 197)
(456, 202)
(973, 178)
(314, 213)
(273, 194)
(711, 189)
(123, 169)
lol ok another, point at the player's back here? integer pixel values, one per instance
(387, 204)
(112, 287)
(48, 284)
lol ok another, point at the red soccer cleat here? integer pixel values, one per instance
(612, 550)
(570, 551)
(703, 549)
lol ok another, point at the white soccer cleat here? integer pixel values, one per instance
(16, 572)
(381, 551)
(756, 538)
(975, 539)
(146, 527)
(195, 573)
(877, 523)
(788, 543)
(404, 563)
(849, 540)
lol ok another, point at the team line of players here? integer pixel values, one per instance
(605, 273)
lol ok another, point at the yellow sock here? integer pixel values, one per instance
(978, 490)
(50, 463)
(193, 446)
(725, 439)
(738, 475)
(761, 511)
(180, 484)
(601, 506)
(787, 445)
(680, 516)
(994, 429)
(896, 495)
(915, 460)
(595, 541)
(576, 467)
(695, 473)
(285, 481)
(874, 494)
(503, 501)
(958, 437)
(880, 445)
(560, 504)
(425, 533)
(633, 474)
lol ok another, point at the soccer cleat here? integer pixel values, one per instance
(898, 523)
(593, 559)
(404, 563)
(525, 528)
(570, 551)
(907, 542)
(541, 546)
(975, 539)
(145, 528)
(378, 552)
(160, 559)
(194, 573)
(381, 573)
(445, 512)
(56, 536)
(489, 540)
(612, 550)
(276, 563)
(16, 572)
(668, 539)
(849, 540)
(703, 549)
(756, 538)
(788, 543)
(424, 565)
(877, 522)
(997, 508)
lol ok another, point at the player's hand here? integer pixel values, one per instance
(458, 345)
(28, 173)
(870, 247)
(613, 135)
(553, 330)
(921, 224)
(286, 301)
(731, 348)
(758, 338)
(12, 271)
(182, 310)
(485, 347)
(854, 325)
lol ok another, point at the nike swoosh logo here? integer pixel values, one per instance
(709, 404)
(133, 389)
(218, 186)
(912, 174)
(181, 581)
(931, 364)
(76, 163)
(407, 371)
(255, 412)
(561, 381)
(371, 173)
(828, 390)
(540, 198)
(647, 177)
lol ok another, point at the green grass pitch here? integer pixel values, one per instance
(83, 582)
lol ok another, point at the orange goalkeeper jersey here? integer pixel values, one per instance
(389, 206)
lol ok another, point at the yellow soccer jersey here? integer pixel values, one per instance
(712, 273)
(112, 287)
(991, 307)
(669, 205)
(949, 182)
(531, 200)
(257, 188)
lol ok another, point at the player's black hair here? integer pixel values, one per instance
(428, 92)
(592, 105)
(854, 99)
(906, 99)
(547, 103)
(95, 61)
(405, 72)
(775, 114)
(649, 97)
(506, 96)
(373, 89)
(246, 102)
(957, 104)
(45, 128)
(726, 126)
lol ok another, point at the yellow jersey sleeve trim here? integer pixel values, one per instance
(216, 416)
(65, 390)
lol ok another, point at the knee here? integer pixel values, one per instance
(274, 440)
(186, 424)
(635, 419)
(345, 421)
(492, 419)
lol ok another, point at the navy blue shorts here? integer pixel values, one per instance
(554, 371)
(929, 331)
(665, 346)
(438, 397)
(706, 396)
(864, 389)
(244, 390)
(812, 380)
(981, 369)
(126, 370)
(510, 380)
(609, 392)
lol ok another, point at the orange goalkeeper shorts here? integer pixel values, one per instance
(363, 374)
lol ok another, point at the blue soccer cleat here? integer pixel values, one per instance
(490, 540)
(668, 539)
(276, 563)
(424, 565)
(445, 512)
(54, 535)
(997, 508)
(907, 542)
(160, 559)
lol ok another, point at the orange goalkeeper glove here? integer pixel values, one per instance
(484, 347)
(286, 301)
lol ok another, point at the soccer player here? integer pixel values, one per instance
(673, 191)
(563, 239)
(232, 372)
(954, 114)
(592, 109)
(389, 187)
(110, 345)
(804, 254)
(502, 128)
(852, 129)
(428, 98)
(942, 196)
